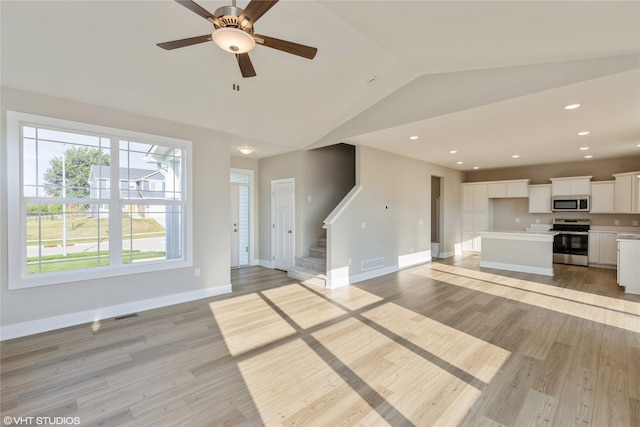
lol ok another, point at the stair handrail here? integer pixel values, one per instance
(342, 206)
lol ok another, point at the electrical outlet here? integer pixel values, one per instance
(363, 225)
(616, 222)
(537, 220)
(197, 272)
(635, 223)
(517, 220)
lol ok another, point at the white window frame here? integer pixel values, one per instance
(18, 277)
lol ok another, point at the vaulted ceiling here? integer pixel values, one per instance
(486, 79)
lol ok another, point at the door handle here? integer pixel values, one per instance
(290, 232)
(235, 231)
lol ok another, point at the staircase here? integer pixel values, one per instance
(312, 269)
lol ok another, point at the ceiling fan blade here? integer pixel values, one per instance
(255, 9)
(246, 67)
(184, 42)
(194, 7)
(285, 46)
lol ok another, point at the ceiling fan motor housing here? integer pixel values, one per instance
(228, 16)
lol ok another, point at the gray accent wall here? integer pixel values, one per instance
(322, 178)
(600, 169)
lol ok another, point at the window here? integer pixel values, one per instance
(70, 222)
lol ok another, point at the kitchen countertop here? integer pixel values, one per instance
(615, 229)
(519, 235)
(628, 236)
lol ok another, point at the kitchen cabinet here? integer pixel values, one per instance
(571, 186)
(540, 198)
(629, 265)
(475, 214)
(602, 197)
(472, 225)
(603, 248)
(508, 189)
(627, 192)
(475, 198)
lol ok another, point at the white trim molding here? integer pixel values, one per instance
(23, 329)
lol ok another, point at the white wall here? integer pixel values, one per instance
(48, 307)
(390, 217)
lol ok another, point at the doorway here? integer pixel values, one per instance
(283, 223)
(437, 215)
(240, 226)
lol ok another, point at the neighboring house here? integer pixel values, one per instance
(133, 184)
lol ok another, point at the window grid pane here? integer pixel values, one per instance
(72, 170)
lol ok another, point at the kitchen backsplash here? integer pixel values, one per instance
(513, 214)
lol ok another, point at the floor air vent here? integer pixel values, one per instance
(126, 316)
(370, 264)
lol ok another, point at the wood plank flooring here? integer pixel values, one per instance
(444, 344)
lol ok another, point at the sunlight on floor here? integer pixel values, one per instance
(276, 377)
(364, 354)
(472, 355)
(610, 311)
(261, 325)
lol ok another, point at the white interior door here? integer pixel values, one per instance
(235, 244)
(283, 220)
(240, 218)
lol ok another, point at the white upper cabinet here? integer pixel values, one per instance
(602, 193)
(571, 186)
(627, 192)
(474, 197)
(508, 189)
(540, 198)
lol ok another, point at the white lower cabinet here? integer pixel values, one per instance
(472, 224)
(629, 265)
(603, 248)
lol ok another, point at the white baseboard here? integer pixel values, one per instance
(516, 267)
(265, 263)
(23, 329)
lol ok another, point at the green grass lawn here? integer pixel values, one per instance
(82, 229)
(75, 261)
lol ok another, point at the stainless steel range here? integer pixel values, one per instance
(571, 244)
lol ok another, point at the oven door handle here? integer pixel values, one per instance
(579, 233)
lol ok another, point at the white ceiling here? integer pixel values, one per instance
(488, 79)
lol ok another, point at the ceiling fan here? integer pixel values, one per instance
(233, 32)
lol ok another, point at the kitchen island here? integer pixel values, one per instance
(524, 251)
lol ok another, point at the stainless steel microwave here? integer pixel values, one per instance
(570, 203)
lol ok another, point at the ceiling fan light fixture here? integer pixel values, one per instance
(246, 150)
(233, 40)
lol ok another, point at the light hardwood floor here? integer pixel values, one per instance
(446, 343)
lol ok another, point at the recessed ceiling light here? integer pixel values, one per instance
(571, 106)
(453, 151)
(476, 167)
(459, 163)
(413, 137)
(583, 133)
(515, 156)
(584, 148)
(588, 156)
